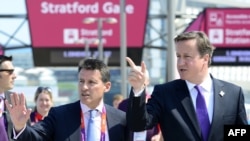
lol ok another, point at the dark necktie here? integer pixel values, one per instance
(3, 134)
(202, 115)
(91, 133)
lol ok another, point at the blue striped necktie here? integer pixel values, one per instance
(92, 129)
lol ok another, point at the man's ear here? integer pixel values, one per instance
(107, 86)
(206, 58)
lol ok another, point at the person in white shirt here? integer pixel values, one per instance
(193, 108)
(71, 121)
(7, 79)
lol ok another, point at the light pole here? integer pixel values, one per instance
(87, 43)
(87, 54)
(123, 48)
(171, 59)
(86, 47)
(109, 20)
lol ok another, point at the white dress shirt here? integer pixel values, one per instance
(1, 105)
(206, 88)
(97, 118)
(86, 114)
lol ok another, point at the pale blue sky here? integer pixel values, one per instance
(8, 26)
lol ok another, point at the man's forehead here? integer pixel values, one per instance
(7, 64)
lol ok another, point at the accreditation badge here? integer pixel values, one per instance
(140, 136)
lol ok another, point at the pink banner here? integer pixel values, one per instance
(59, 23)
(197, 24)
(229, 27)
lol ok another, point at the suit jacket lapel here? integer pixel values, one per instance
(186, 101)
(7, 96)
(218, 105)
(110, 118)
(9, 125)
(112, 123)
(75, 116)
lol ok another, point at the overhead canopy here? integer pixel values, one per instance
(228, 29)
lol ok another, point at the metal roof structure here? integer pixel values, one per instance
(15, 35)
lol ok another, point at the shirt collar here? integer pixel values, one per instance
(85, 108)
(205, 85)
(2, 95)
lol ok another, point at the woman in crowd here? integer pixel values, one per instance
(43, 100)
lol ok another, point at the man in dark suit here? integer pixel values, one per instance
(7, 77)
(153, 134)
(177, 105)
(70, 122)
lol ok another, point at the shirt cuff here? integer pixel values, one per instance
(17, 135)
(138, 93)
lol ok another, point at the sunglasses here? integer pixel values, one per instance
(10, 71)
(40, 89)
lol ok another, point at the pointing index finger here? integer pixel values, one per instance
(131, 63)
(143, 67)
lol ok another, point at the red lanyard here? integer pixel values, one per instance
(38, 117)
(103, 125)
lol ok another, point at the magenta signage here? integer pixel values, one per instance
(228, 27)
(59, 23)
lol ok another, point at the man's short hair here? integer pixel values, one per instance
(5, 58)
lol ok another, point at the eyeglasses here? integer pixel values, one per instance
(10, 71)
(40, 89)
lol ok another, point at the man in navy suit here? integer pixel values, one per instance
(7, 78)
(70, 122)
(173, 104)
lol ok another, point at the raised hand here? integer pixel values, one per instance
(137, 75)
(18, 111)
